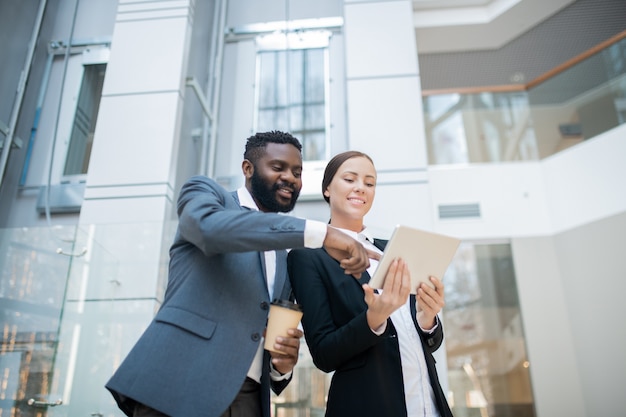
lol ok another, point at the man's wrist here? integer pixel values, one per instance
(276, 375)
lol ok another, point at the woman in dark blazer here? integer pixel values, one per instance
(379, 344)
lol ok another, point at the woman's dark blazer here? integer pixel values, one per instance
(368, 373)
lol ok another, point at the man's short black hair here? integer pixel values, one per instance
(255, 146)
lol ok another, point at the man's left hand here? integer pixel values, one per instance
(289, 346)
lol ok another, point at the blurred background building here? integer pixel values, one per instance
(501, 122)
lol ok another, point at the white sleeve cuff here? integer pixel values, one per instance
(277, 376)
(314, 234)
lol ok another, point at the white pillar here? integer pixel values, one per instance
(130, 191)
(385, 118)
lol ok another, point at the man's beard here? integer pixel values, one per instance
(265, 194)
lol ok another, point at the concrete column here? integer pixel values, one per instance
(385, 117)
(130, 191)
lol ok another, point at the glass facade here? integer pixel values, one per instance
(34, 275)
(71, 307)
(292, 95)
(71, 310)
(485, 345)
(530, 123)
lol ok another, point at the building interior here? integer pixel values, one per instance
(499, 122)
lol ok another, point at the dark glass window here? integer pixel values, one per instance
(81, 139)
(292, 97)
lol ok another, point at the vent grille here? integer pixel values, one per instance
(456, 211)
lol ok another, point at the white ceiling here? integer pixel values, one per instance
(469, 25)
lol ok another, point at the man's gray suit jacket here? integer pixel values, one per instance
(195, 354)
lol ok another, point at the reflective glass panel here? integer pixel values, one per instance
(487, 371)
(292, 95)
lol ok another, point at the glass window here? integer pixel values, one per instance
(292, 91)
(485, 344)
(81, 138)
(445, 129)
(446, 142)
(33, 280)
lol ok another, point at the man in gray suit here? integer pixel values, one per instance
(202, 355)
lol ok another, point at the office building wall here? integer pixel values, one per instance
(563, 216)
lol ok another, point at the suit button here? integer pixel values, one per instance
(265, 305)
(256, 337)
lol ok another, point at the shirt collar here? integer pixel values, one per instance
(363, 235)
(367, 234)
(245, 199)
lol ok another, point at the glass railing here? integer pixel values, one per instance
(575, 102)
(33, 280)
(74, 299)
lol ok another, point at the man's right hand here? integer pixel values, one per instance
(352, 256)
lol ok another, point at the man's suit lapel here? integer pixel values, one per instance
(261, 253)
(264, 269)
(281, 272)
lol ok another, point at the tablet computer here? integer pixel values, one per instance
(425, 253)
